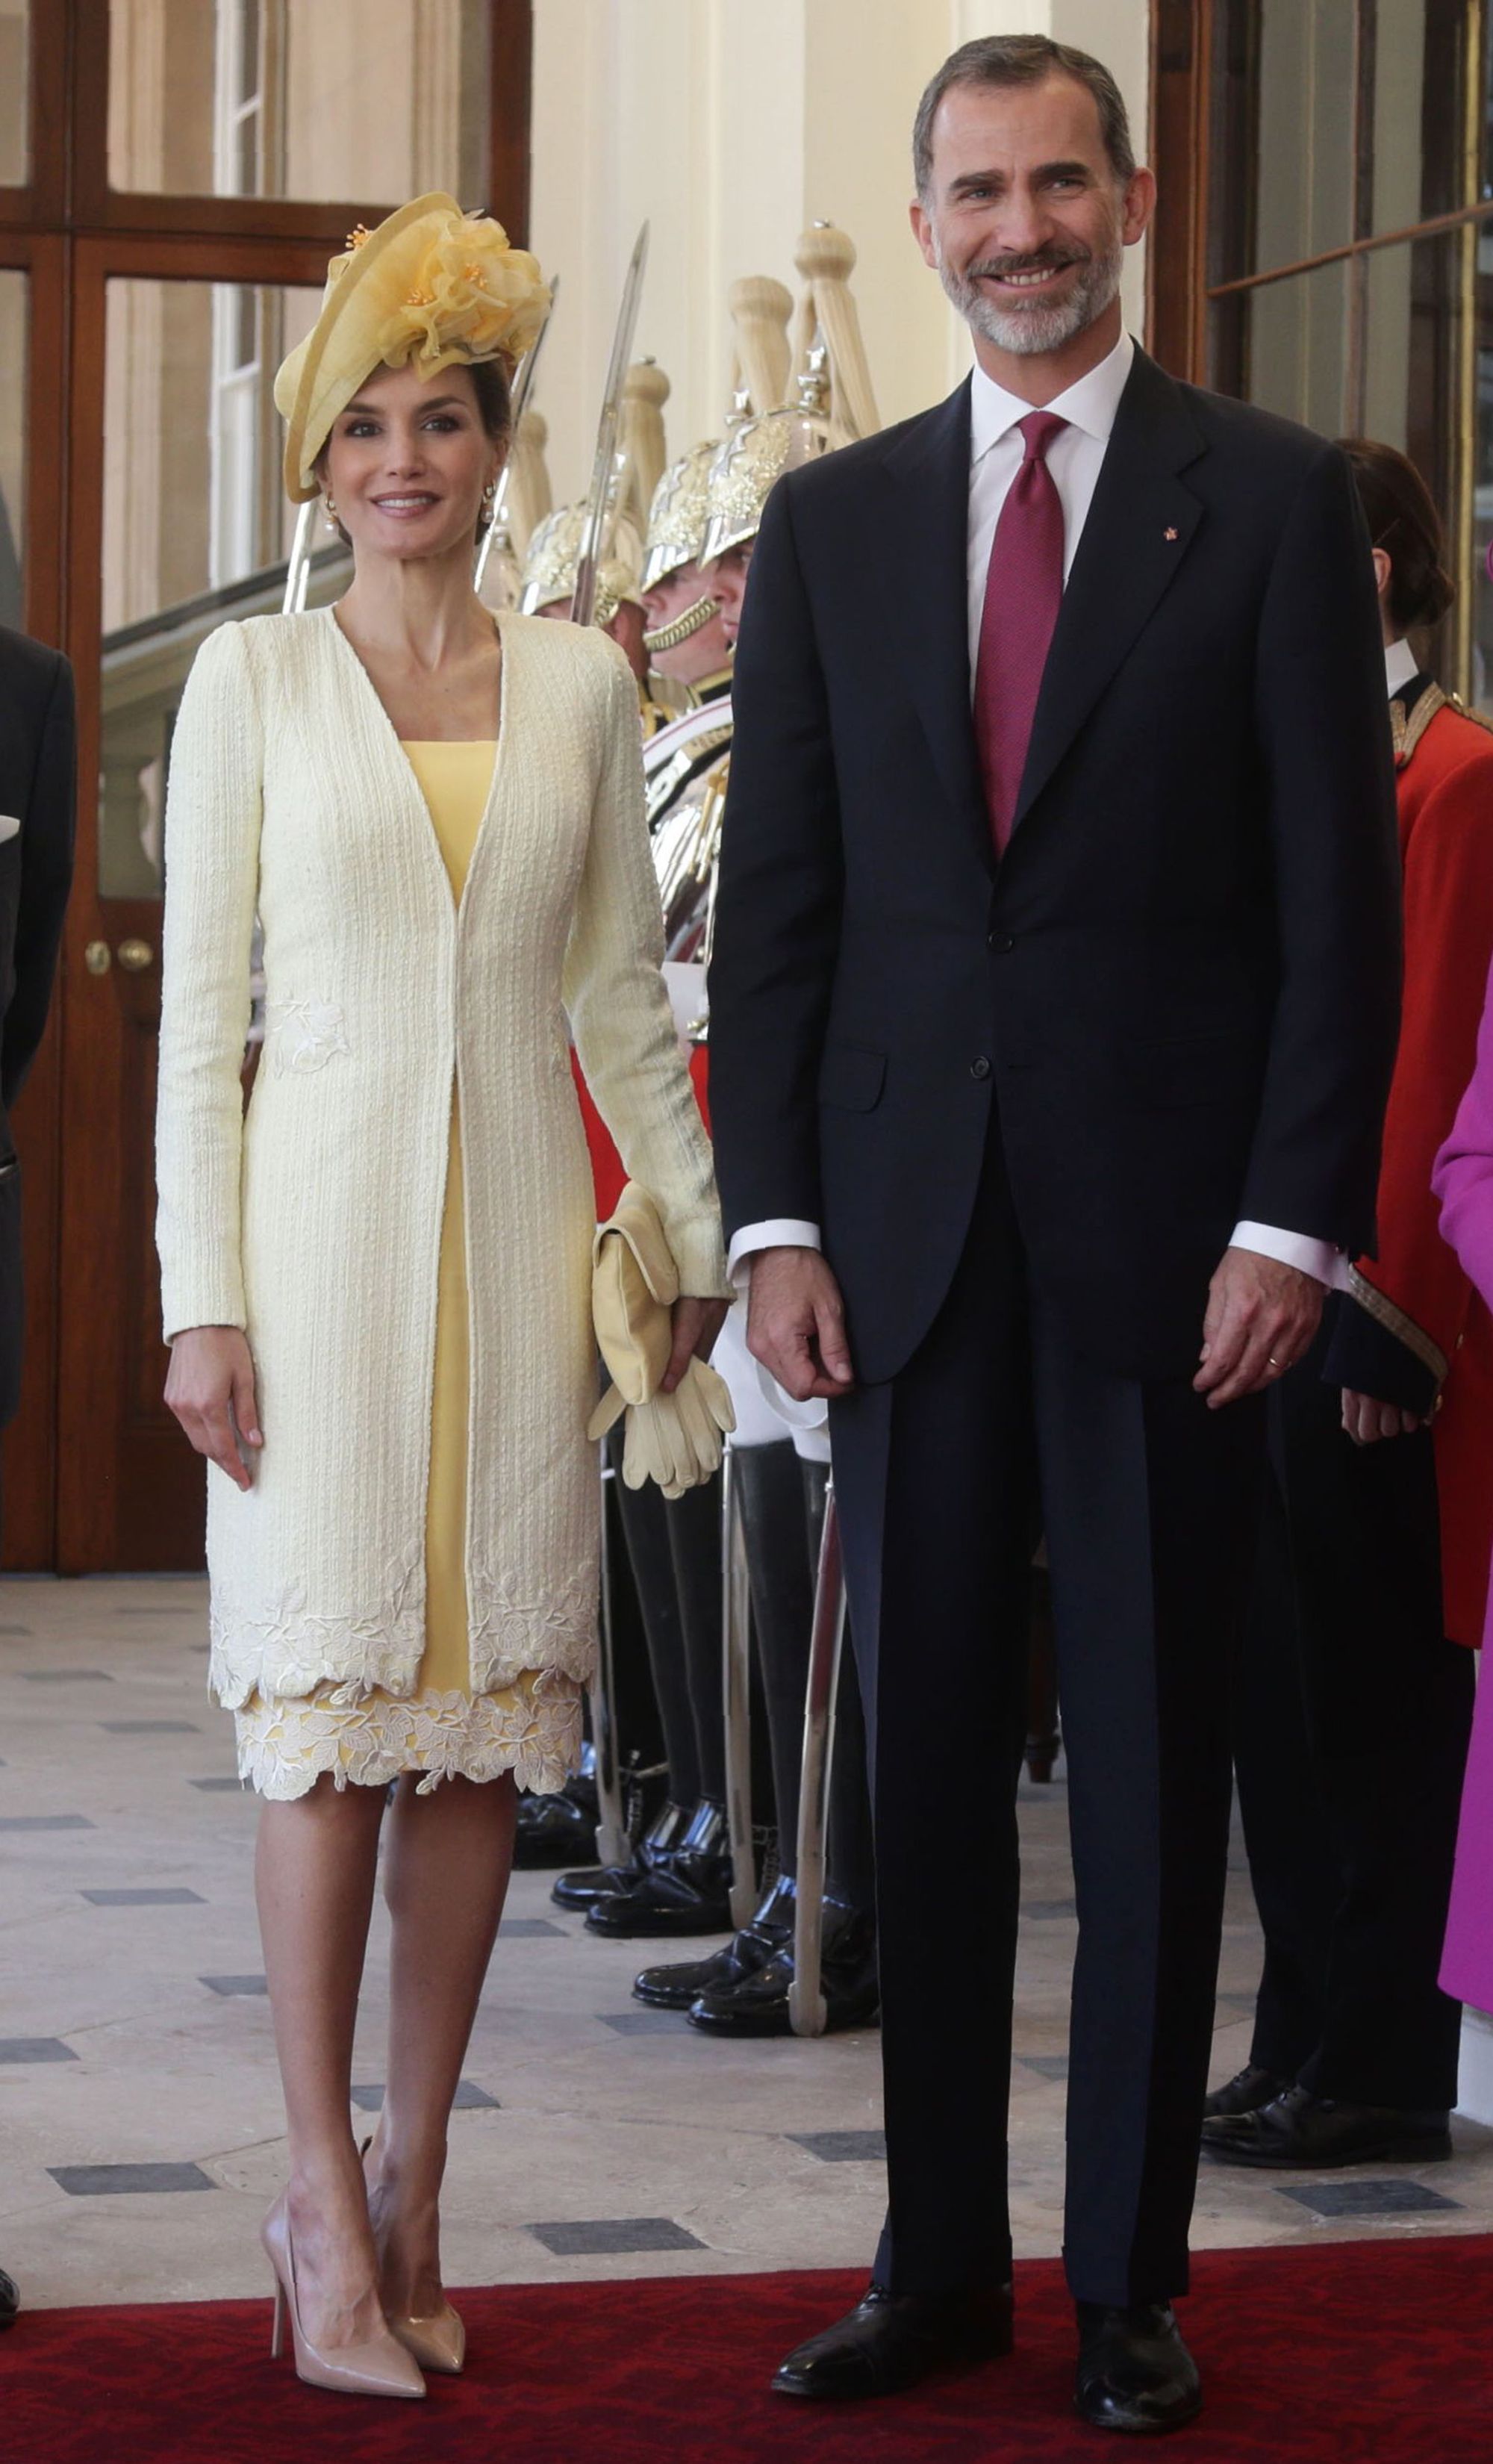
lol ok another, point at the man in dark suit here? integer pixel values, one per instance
(1052, 1013)
(37, 778)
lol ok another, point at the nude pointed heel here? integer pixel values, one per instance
(382, 2368)
(438, 2342)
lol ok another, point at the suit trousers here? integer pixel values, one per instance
(1352, 1727)
(999, 1429)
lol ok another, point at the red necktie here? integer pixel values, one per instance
(1023, 591)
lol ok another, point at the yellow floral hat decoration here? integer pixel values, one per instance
(430, 286)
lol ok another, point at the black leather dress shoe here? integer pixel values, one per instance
(674, 1988)
(10, 2300)
(1299, 2132)
(686, 1891)
(1245, 2093)
(890, 2341)
(581, 1890)
(759, 2004)
(1134, 2372)
(553, 1830)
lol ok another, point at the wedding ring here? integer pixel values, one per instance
(1272, 1361)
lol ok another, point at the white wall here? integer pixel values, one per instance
(731, 124)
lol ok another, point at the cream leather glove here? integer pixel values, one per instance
(674, 1439)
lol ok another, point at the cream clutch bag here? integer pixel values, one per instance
(676, 1439)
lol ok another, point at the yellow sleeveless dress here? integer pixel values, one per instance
(444, 1730)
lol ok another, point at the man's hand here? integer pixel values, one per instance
(1260, 1317)
(1367, 1419)
(796, 1324)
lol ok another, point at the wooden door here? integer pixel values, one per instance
(174, 175)
(179, 525)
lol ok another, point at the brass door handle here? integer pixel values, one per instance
(135, 957)
(97, 958)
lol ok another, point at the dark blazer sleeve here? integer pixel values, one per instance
(1322, 724)
(778, 900)
(48, 819)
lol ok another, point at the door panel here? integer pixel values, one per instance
(182, 526)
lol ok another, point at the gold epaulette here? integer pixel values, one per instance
(1479, 717)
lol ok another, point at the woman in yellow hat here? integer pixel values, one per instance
(376, 1284)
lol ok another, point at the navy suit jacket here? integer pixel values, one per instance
(1178, 991)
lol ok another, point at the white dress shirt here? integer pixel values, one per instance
(1075, 459)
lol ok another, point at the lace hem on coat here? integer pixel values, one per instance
(297, 1650)
(531, 1728)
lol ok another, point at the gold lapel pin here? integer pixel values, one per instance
(1170, 530)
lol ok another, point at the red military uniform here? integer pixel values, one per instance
(606, 1166)
(1440, 1330)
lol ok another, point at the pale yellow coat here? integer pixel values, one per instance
(315, 1224)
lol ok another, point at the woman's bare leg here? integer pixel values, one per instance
(314, 1871)
(446, 1867)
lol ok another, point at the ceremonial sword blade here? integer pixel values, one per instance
(582, 604)
(298, 569)
(523, 387)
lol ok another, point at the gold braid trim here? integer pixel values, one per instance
(1395, 1321)
(696, 616)
(1406, 733)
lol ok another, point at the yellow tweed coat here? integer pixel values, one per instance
(314, 1223)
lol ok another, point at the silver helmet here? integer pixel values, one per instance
(677, 515)
(756, 454)
(549, 569)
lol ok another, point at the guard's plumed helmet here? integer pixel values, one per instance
(756, 452)
(678, 514)
(549, 569)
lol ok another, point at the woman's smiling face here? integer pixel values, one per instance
(408, 461)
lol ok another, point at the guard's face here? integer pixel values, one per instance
(1025, 220)
(671, 597)
(705, 651)
(407, 464)
(726, 580)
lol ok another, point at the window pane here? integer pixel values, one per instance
(1286, 170)
(14, 150)
(12, 451)
(1285, 346)
(196, 526)
(312, 98)
(1420, 157)
(1428, 389)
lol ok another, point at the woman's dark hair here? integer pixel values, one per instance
(1404, 522)
(494, 410)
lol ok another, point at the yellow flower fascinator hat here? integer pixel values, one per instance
(430, 286)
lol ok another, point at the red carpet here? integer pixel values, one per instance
(1351, 2353)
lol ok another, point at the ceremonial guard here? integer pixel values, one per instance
(780, 1474)
(549, 584)
(677, 1883)
(1355, 1689)
(677, 1879)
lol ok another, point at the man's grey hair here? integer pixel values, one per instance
(1023, 60)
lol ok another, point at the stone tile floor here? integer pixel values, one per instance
(139, 2114)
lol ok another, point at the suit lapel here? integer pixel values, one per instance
(1139, 526)
(930, 466)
